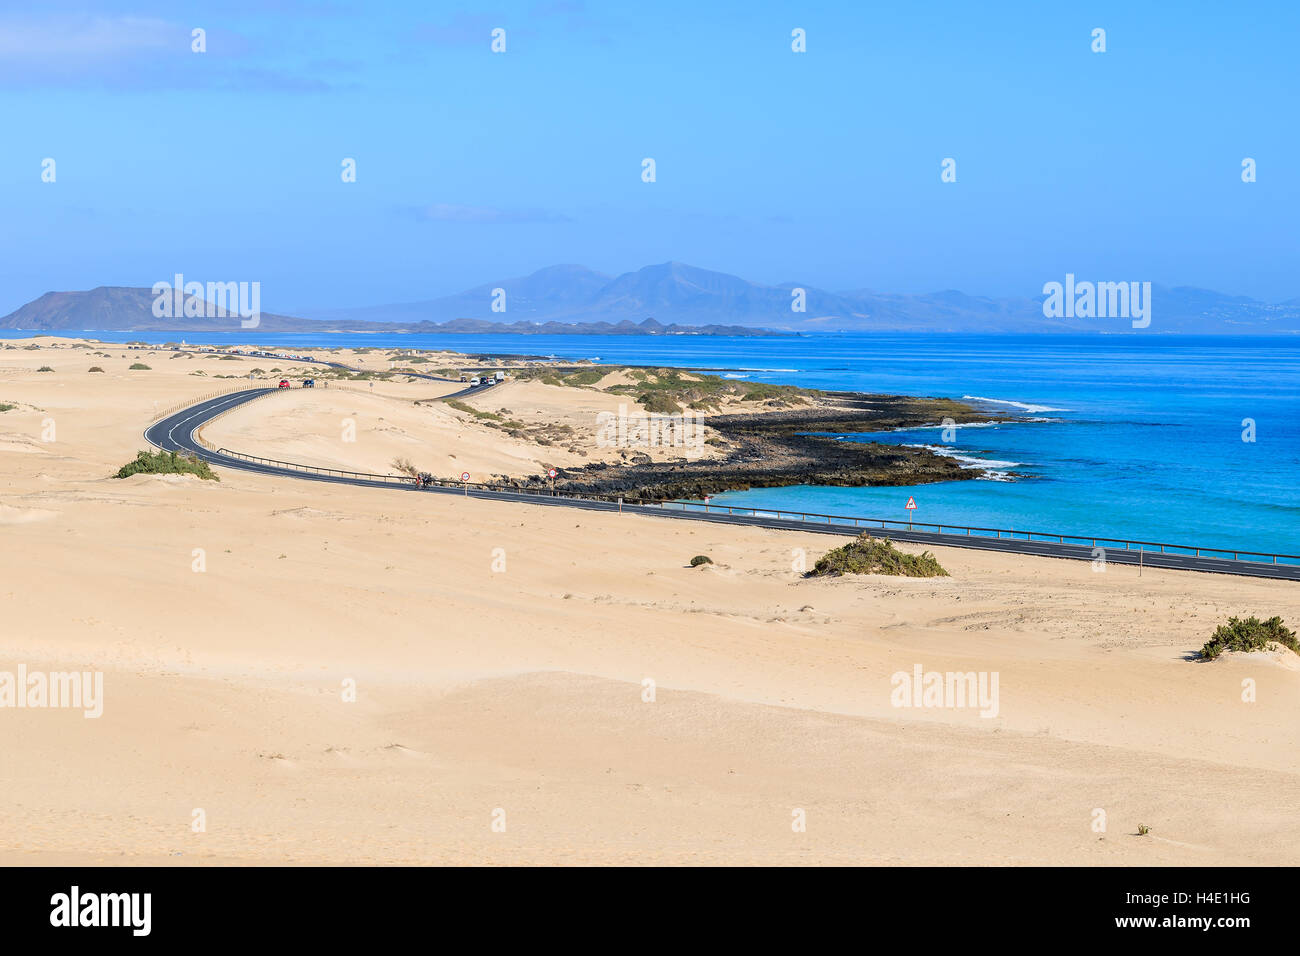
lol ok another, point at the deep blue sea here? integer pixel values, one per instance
(1136, 436)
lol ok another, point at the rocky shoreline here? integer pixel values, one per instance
(772, 448)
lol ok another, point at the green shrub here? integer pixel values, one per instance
(140, 366)
(868, 555)
(166, 463)
(700, 559)
(94, 368)
(1249, 634)
(471, 410)
(588, 376)
(6, 406)
(659, 403)
(761, 392)
(45, 368)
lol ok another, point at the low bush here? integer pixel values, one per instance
(657, 403)
(700, 559)
(166, 463)
(139, 366)
(1249, 634)
(588, 376)
(868, 555)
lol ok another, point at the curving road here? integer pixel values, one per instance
(469, 390)
(176, 433)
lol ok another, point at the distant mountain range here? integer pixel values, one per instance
(125, 309)
(671, 298)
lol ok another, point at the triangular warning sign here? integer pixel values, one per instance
(911, 503)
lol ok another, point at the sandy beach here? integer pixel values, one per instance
(540, 686)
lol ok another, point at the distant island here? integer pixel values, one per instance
(670, 299)
(122, 309)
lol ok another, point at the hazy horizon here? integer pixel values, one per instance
(821, 166)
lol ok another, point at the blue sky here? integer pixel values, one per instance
(821, 168)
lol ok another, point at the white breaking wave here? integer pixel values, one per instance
(1024, 406)
(910, 428)
(994, 467)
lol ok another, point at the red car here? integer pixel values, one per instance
(284, 383)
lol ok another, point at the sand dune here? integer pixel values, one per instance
(369, 430)
(500, 654)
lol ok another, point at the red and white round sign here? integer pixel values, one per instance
(551, 473)
(464, 476)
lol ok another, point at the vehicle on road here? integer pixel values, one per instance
(284, 383)
(424, 480)
(308, 383)
(473, 382)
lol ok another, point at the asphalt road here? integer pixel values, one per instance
(469, 390)
(176, 433)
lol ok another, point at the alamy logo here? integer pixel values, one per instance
(946, 689)
(192, 300)
(1102, 300)
(649, 430)
(75, 908)
(82, 690)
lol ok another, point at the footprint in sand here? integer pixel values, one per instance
(21, 444)
(12, 515)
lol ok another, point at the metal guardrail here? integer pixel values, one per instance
(173, 409)
(844, 521)
(198, 432)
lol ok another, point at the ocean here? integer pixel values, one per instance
(1133, 436)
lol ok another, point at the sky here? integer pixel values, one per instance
(821, 167)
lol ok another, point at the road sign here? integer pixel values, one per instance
(911, 503)
(551, 473)
(464, 476)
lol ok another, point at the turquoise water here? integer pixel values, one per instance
(1136, 436)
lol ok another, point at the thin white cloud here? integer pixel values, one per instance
(88, 37)
(70, 50)
(452, 212)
